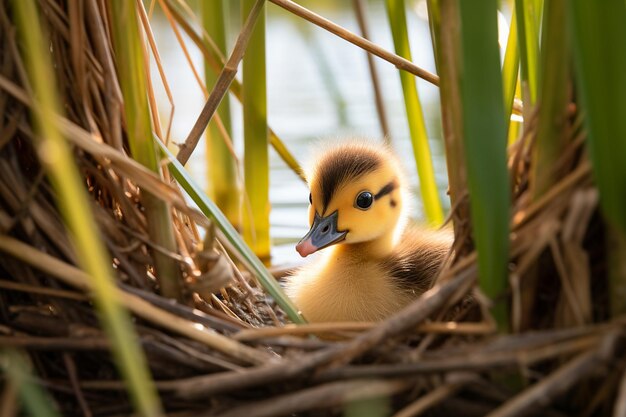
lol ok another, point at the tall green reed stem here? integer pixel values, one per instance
(553, 98)
(417, 127)
(256, 140)
(131, 73)
(599, 29)
(485, 147)
(221, 166)
(444, 28)
(528, 19)
(548, 89)
(56, 156)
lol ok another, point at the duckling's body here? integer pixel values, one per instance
(375, 266)
(352, 284)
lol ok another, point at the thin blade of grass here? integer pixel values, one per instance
(485, 146)
(599, 29)
(515, 126)
(256, 218)
(212, 211)
(510, 69)
(286, 155)
(529, 14)
(223, 185)
(528, 21)
(33, 399)
(55, 154)
(131, 73)
(396, 11)
(434, 26)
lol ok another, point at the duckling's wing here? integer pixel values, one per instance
(417, 258)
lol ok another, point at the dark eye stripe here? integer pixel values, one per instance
(386, 190)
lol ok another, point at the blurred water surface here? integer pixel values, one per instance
(319, 89)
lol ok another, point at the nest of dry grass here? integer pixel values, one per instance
(225, 350)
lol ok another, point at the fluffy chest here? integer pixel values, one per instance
(346, 290)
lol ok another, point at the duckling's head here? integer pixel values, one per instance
(356, 196)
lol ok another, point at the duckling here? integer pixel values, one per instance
(374, 265)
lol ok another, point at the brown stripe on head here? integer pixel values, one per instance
(343, 164)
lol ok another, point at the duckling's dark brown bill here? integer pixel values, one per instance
(323, 233)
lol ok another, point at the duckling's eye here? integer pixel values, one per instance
(310, 199)
(364, 200)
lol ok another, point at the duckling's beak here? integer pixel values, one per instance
(323, 233)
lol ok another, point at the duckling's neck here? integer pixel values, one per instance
(371, 249)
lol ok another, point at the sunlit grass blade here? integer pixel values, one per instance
(129, 63)
(434, 25)
(529, 13)
(223, 184)
(515, 127)
(599, 29)
(553, 99)
(212, 211)
(286, 155)
(510, 69)
(57, 157)
(485, 147)
(415, 116)
(34, 400)
(256, 219)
